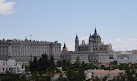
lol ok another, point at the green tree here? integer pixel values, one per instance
(15, 77)
(68, 63)
(102, 67)
(51, 62)
(105, 78)
(44, 62)
(96, 79)
(130, 74)
(59, 63)
(61, 78)
(77, 64)
(34, 65)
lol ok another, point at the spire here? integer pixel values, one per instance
(95, 32)
(76, 40)
(90, 34)
(76, 36)
(64, 45)
(64, 49)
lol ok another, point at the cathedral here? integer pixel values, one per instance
(94, 45)
(93, 52)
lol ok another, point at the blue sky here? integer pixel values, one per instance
(116, 21)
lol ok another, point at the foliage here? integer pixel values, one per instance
(43, 64)
(15, 77)
(45, 68)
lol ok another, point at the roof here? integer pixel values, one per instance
(109, 71)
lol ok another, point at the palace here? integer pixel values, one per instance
(24, 51)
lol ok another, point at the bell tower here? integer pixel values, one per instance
(76, 43)
(90, 39)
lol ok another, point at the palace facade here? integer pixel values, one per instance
(25, 50)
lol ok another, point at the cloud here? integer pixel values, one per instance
(134, 33)
(6, 8)
(84, 38)
(71, 45)
(118, 40)
(132, 40)
(119, 44)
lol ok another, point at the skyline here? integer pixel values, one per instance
(60, 20)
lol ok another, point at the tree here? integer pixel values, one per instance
(40, 64)
(96, 79)
(130, 74)
(34, 65)
(77, 64)
(62, 78)
(51, 61)
(105, 78)
(44, 62)
(83, 66)
(102, 67)
(64, 65)
(44, 78)
(73, 75)
(59, 63)
(14, 77)
(68, 63)
(120, 77)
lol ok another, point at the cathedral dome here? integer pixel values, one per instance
(95, 35)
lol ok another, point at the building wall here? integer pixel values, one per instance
(92, 57)
(11, 66)
(126, 58)
(94, 51)
(94, 47)
(91, 74)
(26, 50)
(72, 56)
(99, 58)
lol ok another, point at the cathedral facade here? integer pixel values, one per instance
(94, 45)
(94, 51)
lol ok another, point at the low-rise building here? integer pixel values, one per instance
(91, 74)
(11, 66)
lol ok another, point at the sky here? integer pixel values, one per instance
(61, 20)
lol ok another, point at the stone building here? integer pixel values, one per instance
(94, 45)
(64, 49)
(95, 51)
(92, 74)
(11, 66)
(126, 58)
(25, 50)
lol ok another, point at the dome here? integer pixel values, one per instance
(95, 35)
